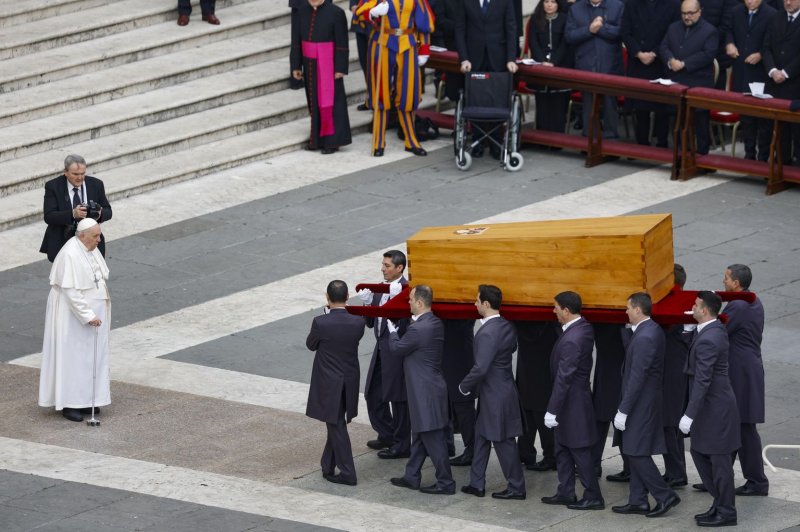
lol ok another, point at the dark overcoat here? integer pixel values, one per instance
(780, 51)
(490, 37)
(745, 327)
(602, 51)
(392, 379)
(748, 39)
(696, 49)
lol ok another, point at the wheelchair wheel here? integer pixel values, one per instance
(514, 124)
(515, 162)
(459, 128)
(464, 162)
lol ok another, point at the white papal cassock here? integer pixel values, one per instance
(78, 293)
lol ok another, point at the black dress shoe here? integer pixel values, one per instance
(403, 483)
(461, 460)
(699, 487)
(436, 490)
(328, 151)
(676, 482)
(542, 465)
(362, 107)
(622, 476)
(708, 513)
(417, 151)
(559, 500)
(747, 491)
(586, 504)
(339, 479)
(378, 153)
(473, 491)
(73, 414)
(391, 454)
(640, 509)
(378, 444)
(717, 520)
(663, 507)
(508, 495)
(88, 410)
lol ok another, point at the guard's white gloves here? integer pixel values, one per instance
(379, 10)
(619, 420)
(365, 295)
(550, 421)
(422, 59)
(391, 326)
(686, 424)
(395, 288)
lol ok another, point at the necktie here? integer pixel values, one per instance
(750, 18)
(791, 19)
(485, 6)
(76, 197)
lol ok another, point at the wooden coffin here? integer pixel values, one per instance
(603, 259)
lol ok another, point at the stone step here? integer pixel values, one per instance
(88, 24)
(84, 58)
(34, 10)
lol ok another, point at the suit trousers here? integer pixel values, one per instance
(401, 425)
(750, 459)
(508, 457)
(675, 457)
(567, 460)
(645, 479)
(534, 421)
(790, 143)
(660, 127)
(362, 42)
(716, 472)
(609, 115)
(337, 452)
(462, 419)
(378, 410)
(756, 134)
(431, 444)
(206, 7)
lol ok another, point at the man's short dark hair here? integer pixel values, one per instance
(711, 301)
(642, 301)
(570, 301)
(680, 275)
(424, 293)
(337, 291)
(491, 294)
(397, 256)
(741, 273)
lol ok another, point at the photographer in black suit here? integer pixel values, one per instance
(68, 199)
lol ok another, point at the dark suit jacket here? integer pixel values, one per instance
(539, 42)
(490, 38)
(675, 381)
(712, 404)
(420, 350)
(602, 51)
(335, 374)
(457, 358)
(58, 212)
(748, 39)
(745, 327)
(392, 380)
(445, 12)
(644, 24)
(780, 51)
(571, 400)
(697, 50)
(534, 383)
(492, 379)
(641, 391)
(607, 384)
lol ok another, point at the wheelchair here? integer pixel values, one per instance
(486, 104)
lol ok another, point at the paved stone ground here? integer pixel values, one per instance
(211, 308)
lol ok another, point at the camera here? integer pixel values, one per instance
(92, 209)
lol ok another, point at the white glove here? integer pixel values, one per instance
(422, 59)
(379, 10)
(394, 289)
(391, 326)
(365, 295)
(619, 420)
(550, 421)
(686, 424)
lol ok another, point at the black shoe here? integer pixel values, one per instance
(473, 491)
(477, 152)
(73, 414)
(640, 509)
(622, 476)
(663, 507)
(708, 513)
(328, 151)
(717, 520)
(362, 107)
(559, 500)
(699, 487)
(417, 151)
(436, 490)
(378, 444)
(585, 504)
(88, 410)
(508, 495)
(295, 84)
(339, 479)
(391, 454)
(402, 483)
(747, 491)
(543, 465)
(378, 153)
(675, 482)
(461, 460)
(451, 452)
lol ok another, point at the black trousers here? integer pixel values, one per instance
(389, 419)
(337, 451)
(525, 443)
(660, 127)
(361, 45)
(567, 460)
(430, 444)
(645, 479)
(206, 7)
(508, 457)
(750, 459)
(757, 136)
(716, 472)
(675, 457)
(551, 110)
(462, 419)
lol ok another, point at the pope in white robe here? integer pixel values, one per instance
(76, 327)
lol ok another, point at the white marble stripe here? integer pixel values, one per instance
(221, 491)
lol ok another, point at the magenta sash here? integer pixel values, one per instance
(323, 53)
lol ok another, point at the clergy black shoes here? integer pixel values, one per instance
(436, 490)
(747, 491)
(715, 520)
(509, 495)
(339, 479)
(641, 509)
(73, 414)
(378, 444)
(471, 490)
(559, 500)
(586, 504)
(622, 476)
(417, 151)
(461, 460)
(663, 507)
(378, 153)
(402, 483)
(390, 454)
(543, 465)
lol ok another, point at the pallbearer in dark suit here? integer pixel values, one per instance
(711, 415)
(420, 350)
(570, 409)
(639, 415)
(745, 327)
(333, 392)
(492, 380)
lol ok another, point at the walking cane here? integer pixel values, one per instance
(94, 422)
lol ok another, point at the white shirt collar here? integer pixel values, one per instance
(564, 327)
(633, 327)
(701, 326)
(484, 320)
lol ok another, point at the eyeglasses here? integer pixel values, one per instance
(689, 13)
